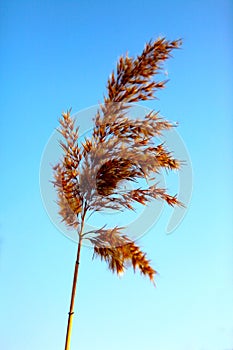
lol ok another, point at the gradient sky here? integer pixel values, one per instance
(59, 54)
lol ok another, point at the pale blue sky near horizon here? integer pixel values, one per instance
(59, 54)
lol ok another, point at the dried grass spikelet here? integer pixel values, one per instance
(119, 252)
(113, 171)
(119, 149)
(118, 257)
(66, 173)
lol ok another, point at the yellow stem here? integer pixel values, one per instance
(71, 312)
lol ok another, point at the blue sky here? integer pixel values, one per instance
(59, 54)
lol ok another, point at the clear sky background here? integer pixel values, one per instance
(56, 55)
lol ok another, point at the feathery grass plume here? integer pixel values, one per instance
(90, 174)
